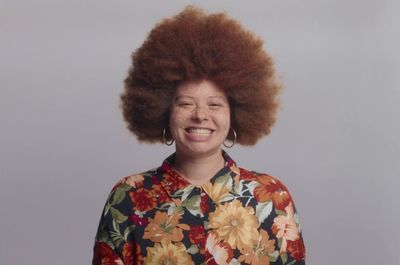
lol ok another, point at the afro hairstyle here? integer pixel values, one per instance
(194, 46)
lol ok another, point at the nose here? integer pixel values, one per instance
(200, 114)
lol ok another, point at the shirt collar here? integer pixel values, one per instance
(172, 182)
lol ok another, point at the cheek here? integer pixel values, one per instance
(176, 121)
(225, 121)
(227, 118)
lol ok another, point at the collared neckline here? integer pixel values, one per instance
(172, 181)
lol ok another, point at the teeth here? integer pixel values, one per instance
(200, 131)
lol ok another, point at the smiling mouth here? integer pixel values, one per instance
(199, 131)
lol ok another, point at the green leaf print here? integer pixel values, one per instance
(263, 210)
(128, 231)
(186, 192)
(284, 257)
(274, 256)
(193, 205)
(225, 180)
(118, 197)
(125, 187)
(193, 249)
(238, 187)
(117, 215)
(117, 238)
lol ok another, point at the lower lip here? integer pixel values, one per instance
(198, 137)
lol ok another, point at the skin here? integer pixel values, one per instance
(199, 123)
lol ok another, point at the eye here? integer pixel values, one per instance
(215, 105)
(184, 104)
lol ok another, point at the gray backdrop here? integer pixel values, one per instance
(63, 143)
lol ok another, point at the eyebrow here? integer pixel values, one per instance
(186, 96)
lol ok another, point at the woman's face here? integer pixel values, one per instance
(199, 118)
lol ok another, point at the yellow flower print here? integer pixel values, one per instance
(167, 254)
(235, 224)
(259, 253)
(216, 192)
(165, 227)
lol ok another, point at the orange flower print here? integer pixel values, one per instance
(217, 252)
(263, 192)
(235, 224)
(167, 253)
(235, 169)
(241, 173)
(284, 227)
(259, 253)
(165, 227)
(143, 200)
(127, 254)
(104, 255)
(138, 257)
(281, 199)
(272, 189)
(134, 180)
(247, 175)
(296, 249)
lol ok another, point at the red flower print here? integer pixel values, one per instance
(143, 200)
(160, 194)
(138, 257)
(247, 175)
(174, 181)
(104, 255)
(296, 249)
(204, 203)
(127, 254)
(137, 220)
(155, 180)
(197, 235)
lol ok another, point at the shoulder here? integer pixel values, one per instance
(136, 180)
(261, 178)
(131, 184)
(266, 187)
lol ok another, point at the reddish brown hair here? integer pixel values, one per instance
(193, 46)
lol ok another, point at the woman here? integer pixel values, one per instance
(199, 81)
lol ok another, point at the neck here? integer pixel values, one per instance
(198, 170)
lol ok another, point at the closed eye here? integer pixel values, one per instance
(185, 104)
(215, 105)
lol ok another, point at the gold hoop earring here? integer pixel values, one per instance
(233, 141)
(165, 139)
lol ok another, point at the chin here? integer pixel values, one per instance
(199, 150)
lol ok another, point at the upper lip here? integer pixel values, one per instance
(195, 127)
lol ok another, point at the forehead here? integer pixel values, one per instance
(202, 88)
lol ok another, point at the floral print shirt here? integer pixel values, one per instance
(238, 217)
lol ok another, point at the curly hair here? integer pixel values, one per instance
(193, 46)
